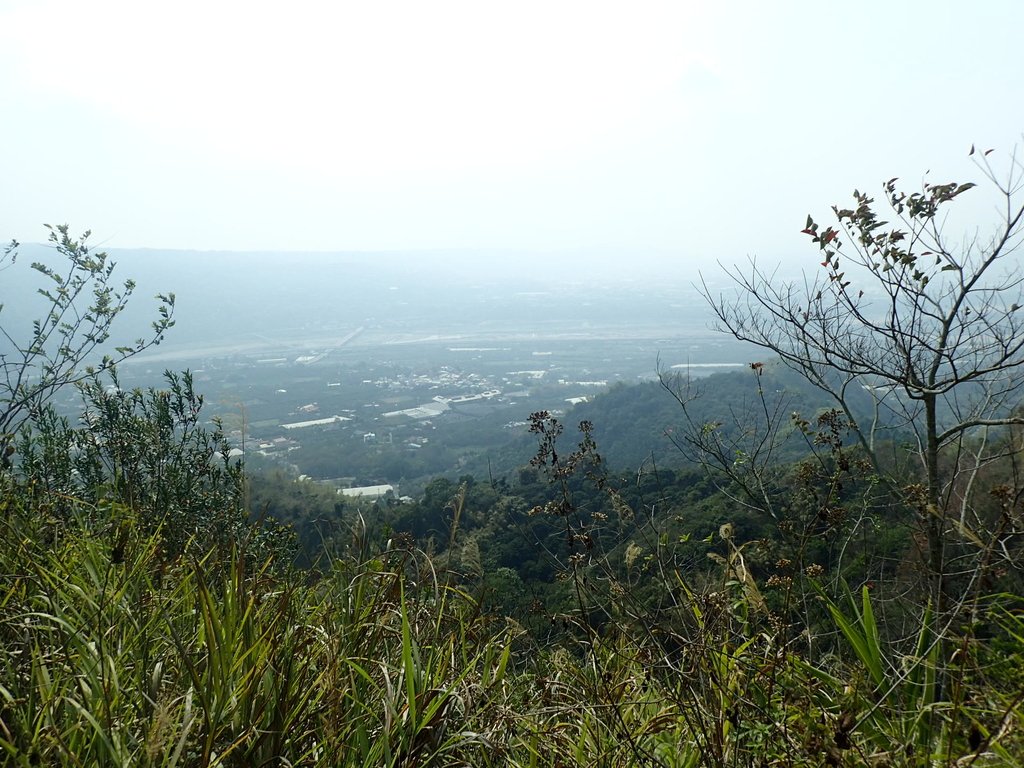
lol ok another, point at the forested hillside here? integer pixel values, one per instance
(645, 424)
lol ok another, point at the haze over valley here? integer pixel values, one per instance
(512, 385)
(387, 368)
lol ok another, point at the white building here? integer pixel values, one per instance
(371, 492)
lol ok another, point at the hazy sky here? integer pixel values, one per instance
(693, 130)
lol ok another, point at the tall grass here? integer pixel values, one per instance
(113, 655)
(125, 660)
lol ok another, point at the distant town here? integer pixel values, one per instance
(368, 414)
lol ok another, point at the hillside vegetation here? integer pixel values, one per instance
(824, 575)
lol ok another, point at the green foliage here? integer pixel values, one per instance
(147, 451)
(737, 677)
(663, 617)
(131, 661)
(314, 514)
(80, 302)
(385, 660)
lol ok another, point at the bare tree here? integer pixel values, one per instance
(66, 345)
(928, 325)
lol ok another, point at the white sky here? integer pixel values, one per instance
(693, 130)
